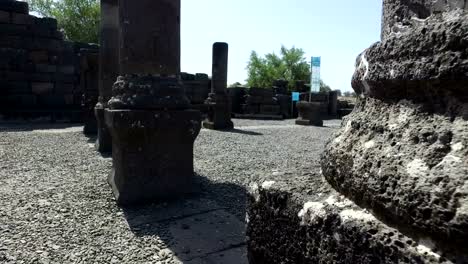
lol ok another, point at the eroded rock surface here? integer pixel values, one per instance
(403, 152)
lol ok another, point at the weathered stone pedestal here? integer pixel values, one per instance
(153, 132)
(104, 141)
(309, 114)
(219, 101)
(219, 116)
(152, 153)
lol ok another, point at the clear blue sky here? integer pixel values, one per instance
(335, 30)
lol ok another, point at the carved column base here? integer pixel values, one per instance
(152, 153)
(219, 117)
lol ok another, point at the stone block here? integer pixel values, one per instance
(15, 87)
(42, 88)
(40, 77)
(12, 41)
(5, 17)
(67, 69)
(22, 19)
(15, 76)
(46, 68)
(46, 23)
(47, 44)
(152, 153)
(39, 56)
(14, 30)
(270, 109)
(14, 6)
(302, 220)
(20, 101)
(48, 101)
(309, 114)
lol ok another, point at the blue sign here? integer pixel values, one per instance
(316, 61)
(315, 78)
(295, 96)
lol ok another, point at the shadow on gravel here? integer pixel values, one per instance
(243, 132)
(205, 227)
(6, 126)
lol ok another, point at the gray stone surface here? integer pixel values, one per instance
(57, 206)
(426, 62)
(403, 152)
(399, 14)
(301, 219)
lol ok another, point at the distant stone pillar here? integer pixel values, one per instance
(219, 101)
(309, 113)
(152, 128)
(333, 104)
(109, 68)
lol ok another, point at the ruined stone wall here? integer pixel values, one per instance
(39, 71)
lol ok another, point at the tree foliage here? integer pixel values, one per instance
(79, 19)
(290, 65)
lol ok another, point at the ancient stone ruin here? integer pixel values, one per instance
(40, 70)
(89, 81)
(219, 116)
(151, 125)
(396, 174)
(109, 68)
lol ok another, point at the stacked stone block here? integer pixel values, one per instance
(39, 70)
(197, 87)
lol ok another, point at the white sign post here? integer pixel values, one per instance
(315, 78)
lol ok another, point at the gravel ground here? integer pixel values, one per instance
(56, 207)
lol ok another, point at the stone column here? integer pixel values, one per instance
(309, 113)
(152, 128)
(109, 68)
(219, 101)
(333, 104)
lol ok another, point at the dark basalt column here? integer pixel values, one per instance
(109, 68)
(219, 101)
(309, 114)
(152, 128)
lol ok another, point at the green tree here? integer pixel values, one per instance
(79, 19)
(324, 87)
(290, 65)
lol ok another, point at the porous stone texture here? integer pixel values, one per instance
(403, 151)
(301, 219)
(398, 15)
(148, 92)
